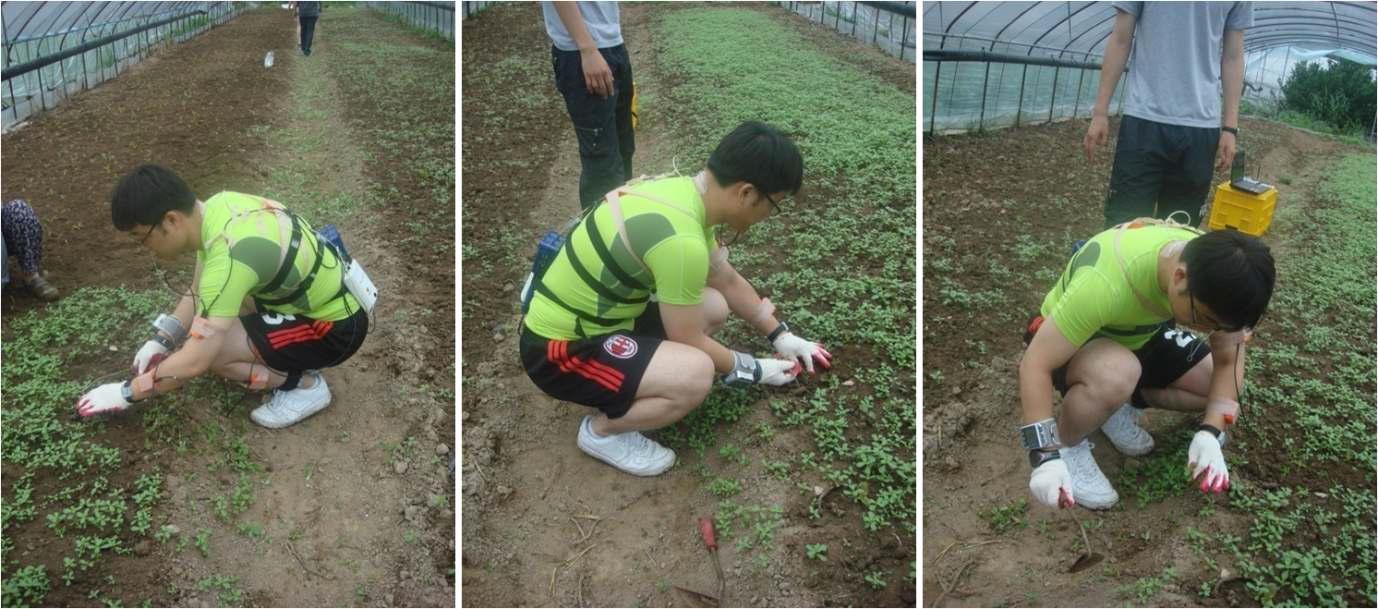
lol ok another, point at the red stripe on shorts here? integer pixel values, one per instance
(583, 369)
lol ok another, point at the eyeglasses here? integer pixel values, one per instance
(1214, 325)
(774, 207)
(147, 235)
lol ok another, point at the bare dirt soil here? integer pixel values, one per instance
(347, 505)
(992, 202)
(544, 524)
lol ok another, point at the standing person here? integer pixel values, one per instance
(593, 334)
(268, 304)
(1111, 338)
(307, 14)
(594, 74)
(1176, 128)
(23, 239)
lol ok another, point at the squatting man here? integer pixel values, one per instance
(271, 301)
(1110, 337)
(621, 318)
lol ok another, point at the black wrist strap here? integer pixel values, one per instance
(1039, 457)
(780, 329)
(1211, 428)
(1231, 130)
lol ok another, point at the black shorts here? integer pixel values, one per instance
(1168, 355)
(293, 343)
(1160, 169)
(599, 371)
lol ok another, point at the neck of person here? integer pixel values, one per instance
(198, 216)
(715, 212)
(1169, 257)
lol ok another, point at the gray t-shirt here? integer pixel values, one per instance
(600, 19)
(1174, 68)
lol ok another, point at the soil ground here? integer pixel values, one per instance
(993, 242)
(354, 503)
(526, 487)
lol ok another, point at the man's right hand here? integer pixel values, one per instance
(597, 74)
(148, 356)
(1096, 134)
(1051, 485)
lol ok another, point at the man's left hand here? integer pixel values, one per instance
(792, 346)
(1207, 463)
(105, 399)
(1224, 151)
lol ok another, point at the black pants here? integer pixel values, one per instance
(602, 124)
(1160, 169)
(308, 31)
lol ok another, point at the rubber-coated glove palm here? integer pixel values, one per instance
(1051, 484)
(105, 399)
(789, 345)
(1207, 463)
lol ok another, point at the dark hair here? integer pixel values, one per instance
(760, 155)
(1232, 273)
(146, 194)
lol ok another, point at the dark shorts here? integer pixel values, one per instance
(1168, 355)
(1159, 169)
(603, 372)
(291, 343)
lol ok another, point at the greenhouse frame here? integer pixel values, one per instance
(999, 64)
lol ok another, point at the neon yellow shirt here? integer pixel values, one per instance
(242, 245)
(673, 242)
(1093, 296)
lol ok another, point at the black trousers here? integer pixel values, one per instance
(1160, 169)
(603, 125)
(308, 31)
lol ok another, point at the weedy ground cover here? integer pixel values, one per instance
(838, 261)
(1311, 423)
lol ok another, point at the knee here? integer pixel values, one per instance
(1116, 382)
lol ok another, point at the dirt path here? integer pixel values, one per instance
(972, 464)
(353, 505)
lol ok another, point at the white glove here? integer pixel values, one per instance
(148, 356)
(789, 345)
(105, 399)
(1207, 462)
(777, 371)
(1051, 485)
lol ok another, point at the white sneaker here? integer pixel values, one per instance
(288, 407)
(1124, 431)
(1090, 488)
(630, 452)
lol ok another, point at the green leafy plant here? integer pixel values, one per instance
(816, 551)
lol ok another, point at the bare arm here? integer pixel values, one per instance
(1112, 67)
(1232, 76)
(574, 24)
(741, 297)
(1048, 351)
(192, 360)
(685, 324)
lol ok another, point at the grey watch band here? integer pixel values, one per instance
(169, 325)
(745, 370)
(1039, 434)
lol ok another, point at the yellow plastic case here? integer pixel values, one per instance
(1242, 211)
